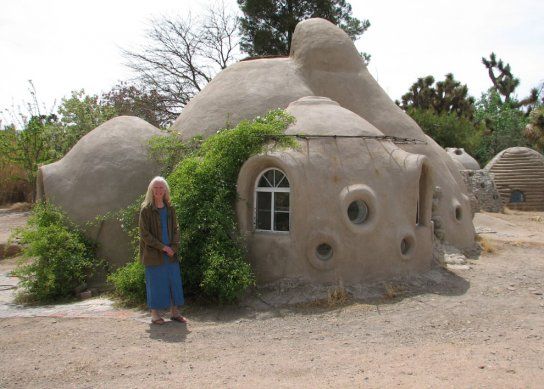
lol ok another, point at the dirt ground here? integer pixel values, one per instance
(480, 326)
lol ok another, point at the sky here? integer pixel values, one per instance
(66, 45)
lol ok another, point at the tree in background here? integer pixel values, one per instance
(182, 55)
(29, 147)
(79, 114)
(268, 25)
(504, 123)
(447, 96)
(444, 111)
(534, 130)
(505, 84)
(129, 99)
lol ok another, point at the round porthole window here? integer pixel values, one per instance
(358, 212)
(323, 251)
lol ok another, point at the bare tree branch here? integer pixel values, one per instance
(181, 55)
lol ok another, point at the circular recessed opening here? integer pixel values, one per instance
(323, 251)
(482, 185)
(458, 151)
(358, 212)
(495, 197)
(458, 213)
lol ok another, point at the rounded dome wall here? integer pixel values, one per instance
(105, 171)
(519, 178)
(464, 159)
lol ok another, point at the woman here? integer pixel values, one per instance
(159, 244)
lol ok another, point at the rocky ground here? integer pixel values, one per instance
(479, 324)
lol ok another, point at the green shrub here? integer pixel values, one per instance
(129, 283)
(204, 193)
(58, 256)
(168, 150)
(448, 129)
(129, 280)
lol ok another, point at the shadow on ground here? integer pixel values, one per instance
(282, 299)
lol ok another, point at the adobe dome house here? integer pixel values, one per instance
(464, 160)
(105, 171)
(325, 62)
(357, 200)
(351, 208)
(519, 177)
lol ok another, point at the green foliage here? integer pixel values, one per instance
(80, 114)
(504, 126)
(447, 96)
(449, 130)
(129, 283)
(59, 257)
(204, 193)
(132, 100)
(534, 131)
(129, 280)
(268, 25)
(169, 150)
(29, 147)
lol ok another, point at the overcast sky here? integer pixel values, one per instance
(65, 45)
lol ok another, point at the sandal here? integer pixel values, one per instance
(159, 321)
(179, 319)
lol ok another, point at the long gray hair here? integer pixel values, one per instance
(149, 194)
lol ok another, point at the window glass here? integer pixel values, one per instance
(517, 196)
(264, 183)
(264, 210)
(272, 203)
(281, 201)
(281, 221)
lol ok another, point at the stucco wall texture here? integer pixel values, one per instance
(519, 177)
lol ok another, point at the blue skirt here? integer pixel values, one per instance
(163, 285)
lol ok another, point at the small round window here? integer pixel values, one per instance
(517, 196)
(358, 212)
(324, 251)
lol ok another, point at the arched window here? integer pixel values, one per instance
(272, 209)
(517, 196)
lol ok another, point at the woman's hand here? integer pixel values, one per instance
(168, 251)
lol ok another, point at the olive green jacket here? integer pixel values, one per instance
(151, 233)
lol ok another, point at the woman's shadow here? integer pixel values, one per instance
(170, 331)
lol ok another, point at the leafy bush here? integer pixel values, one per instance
(448, 129)
(129, 282)
(168, 150)
(204, 193)
(59, 257)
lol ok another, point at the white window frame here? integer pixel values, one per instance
(272, 190)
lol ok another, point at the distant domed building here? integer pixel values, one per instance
(462, 159)
(519, 177)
